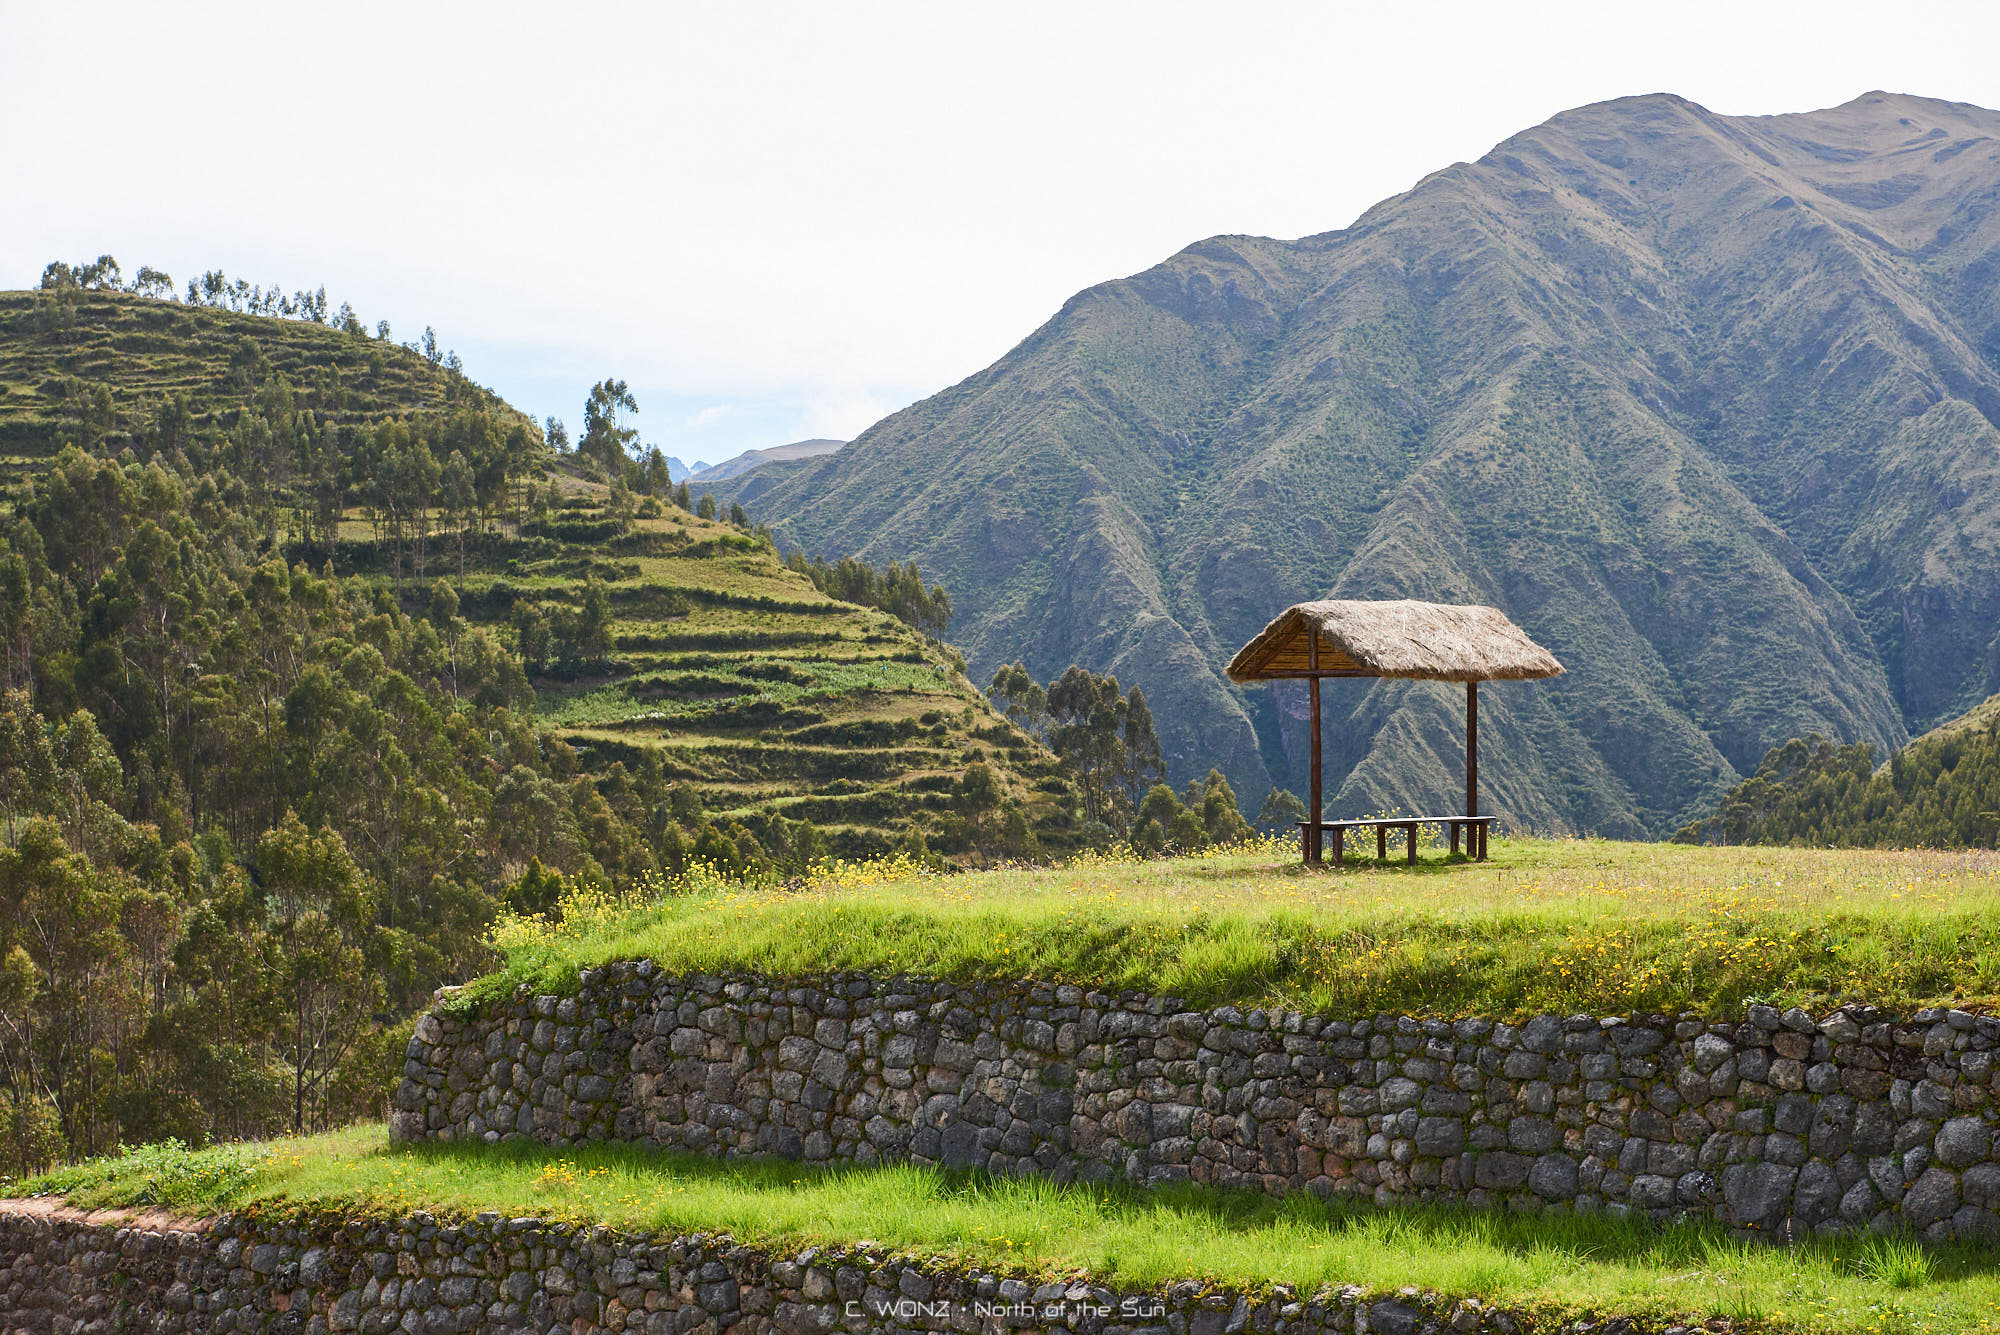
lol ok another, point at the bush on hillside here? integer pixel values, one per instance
(1206, 818)
(1938, 792)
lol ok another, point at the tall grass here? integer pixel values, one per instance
(1551, 925)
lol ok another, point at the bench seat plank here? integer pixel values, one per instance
(1475, 829)
(1369, 822)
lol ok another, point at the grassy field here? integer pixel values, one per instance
(1547, 925)
(1556, 1267)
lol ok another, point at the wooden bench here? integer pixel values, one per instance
(1473, 828)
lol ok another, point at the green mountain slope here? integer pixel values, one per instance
(734, 673)
(1705, 403)
(1940, 791)
(747, 682)
(104, 366)
(1982, 717)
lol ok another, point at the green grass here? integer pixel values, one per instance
(679, 696)
(1555, 1266)
(1548, 925)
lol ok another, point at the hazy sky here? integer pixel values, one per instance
(786, 220)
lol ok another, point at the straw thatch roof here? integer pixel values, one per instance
(1432, 641)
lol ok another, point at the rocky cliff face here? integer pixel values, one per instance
(1705, 403)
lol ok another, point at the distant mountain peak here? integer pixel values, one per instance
(1709, 404)
(749, 459)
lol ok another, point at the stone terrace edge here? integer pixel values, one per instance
(1781, 1124)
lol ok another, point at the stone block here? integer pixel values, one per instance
(1759, 1194)
(1963, 1141)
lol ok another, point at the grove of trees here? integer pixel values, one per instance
(1937, 792)
(897, 589)
(1107, 740)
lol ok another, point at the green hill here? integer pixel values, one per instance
(1982, 717)
(1705, 403)
(314, 660)
(745, 681)
(99, 367)
(768, 696)
(1940, 791)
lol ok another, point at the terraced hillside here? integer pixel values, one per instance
(763, 694)
(105, 366)
(749, 683)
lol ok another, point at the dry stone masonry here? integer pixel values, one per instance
(1781, 1123)
(60, 1275)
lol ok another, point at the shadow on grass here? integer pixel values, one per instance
(1897, 1261)
(1426, 864)
(1431, 860)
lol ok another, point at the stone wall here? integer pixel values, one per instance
(1779, 1123)
(63, 1275)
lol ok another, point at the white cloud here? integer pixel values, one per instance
(844, 413)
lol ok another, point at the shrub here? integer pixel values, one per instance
(31, 1134)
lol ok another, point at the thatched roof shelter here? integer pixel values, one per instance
(1400, 638)
(1396, 638)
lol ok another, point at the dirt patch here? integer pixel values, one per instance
(55, 1207)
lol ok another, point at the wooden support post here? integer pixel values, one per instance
(1381, 843)
(1316, 811)
(1454, 835)
(1472, 748)
(1477, 834)
(1410, 841)
(1339, 843)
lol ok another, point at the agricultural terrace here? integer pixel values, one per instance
(1548, 925)
(761, 695)
(746, 682)
(1557, 1268)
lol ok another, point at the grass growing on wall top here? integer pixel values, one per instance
(1549, 925)
(1561, 1266)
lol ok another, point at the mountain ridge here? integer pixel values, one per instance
(739, 464)
(1676, 390)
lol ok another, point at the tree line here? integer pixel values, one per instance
(898, 589)
(251, 814)
(61, 281)
(448, 477)
(1937, 792)
(1107, 740)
